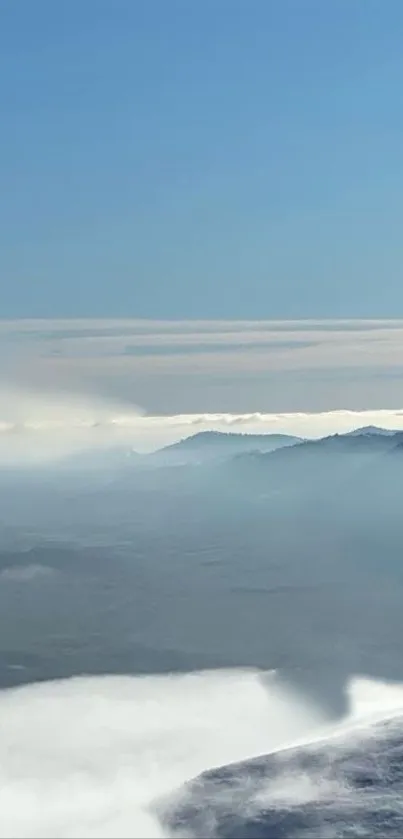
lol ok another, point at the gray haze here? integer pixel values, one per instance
(287, 560)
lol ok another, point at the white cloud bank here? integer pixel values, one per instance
(39, 428)
(94, 757)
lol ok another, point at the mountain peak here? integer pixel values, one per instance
(371, 429)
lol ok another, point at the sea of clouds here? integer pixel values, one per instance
(106, 756)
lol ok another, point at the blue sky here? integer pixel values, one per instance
(210, 159)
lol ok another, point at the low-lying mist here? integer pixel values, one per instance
(215, 555)
(287, 559)
(109, 756)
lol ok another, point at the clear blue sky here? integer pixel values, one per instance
(201, 158)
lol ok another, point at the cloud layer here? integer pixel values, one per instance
(93, 756)
(147, 383)
(210, 366)
(103, 756)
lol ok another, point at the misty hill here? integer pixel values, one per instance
(116, 458)
(336, 444)
(355, 473)
(207, 445)
(371, 429)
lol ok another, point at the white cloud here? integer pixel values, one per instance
(101, 757)
(92, 756)
(37, 428)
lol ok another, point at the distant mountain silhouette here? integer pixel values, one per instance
(350, 443)
(371, 429)
(207, 445)
(349, 471)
